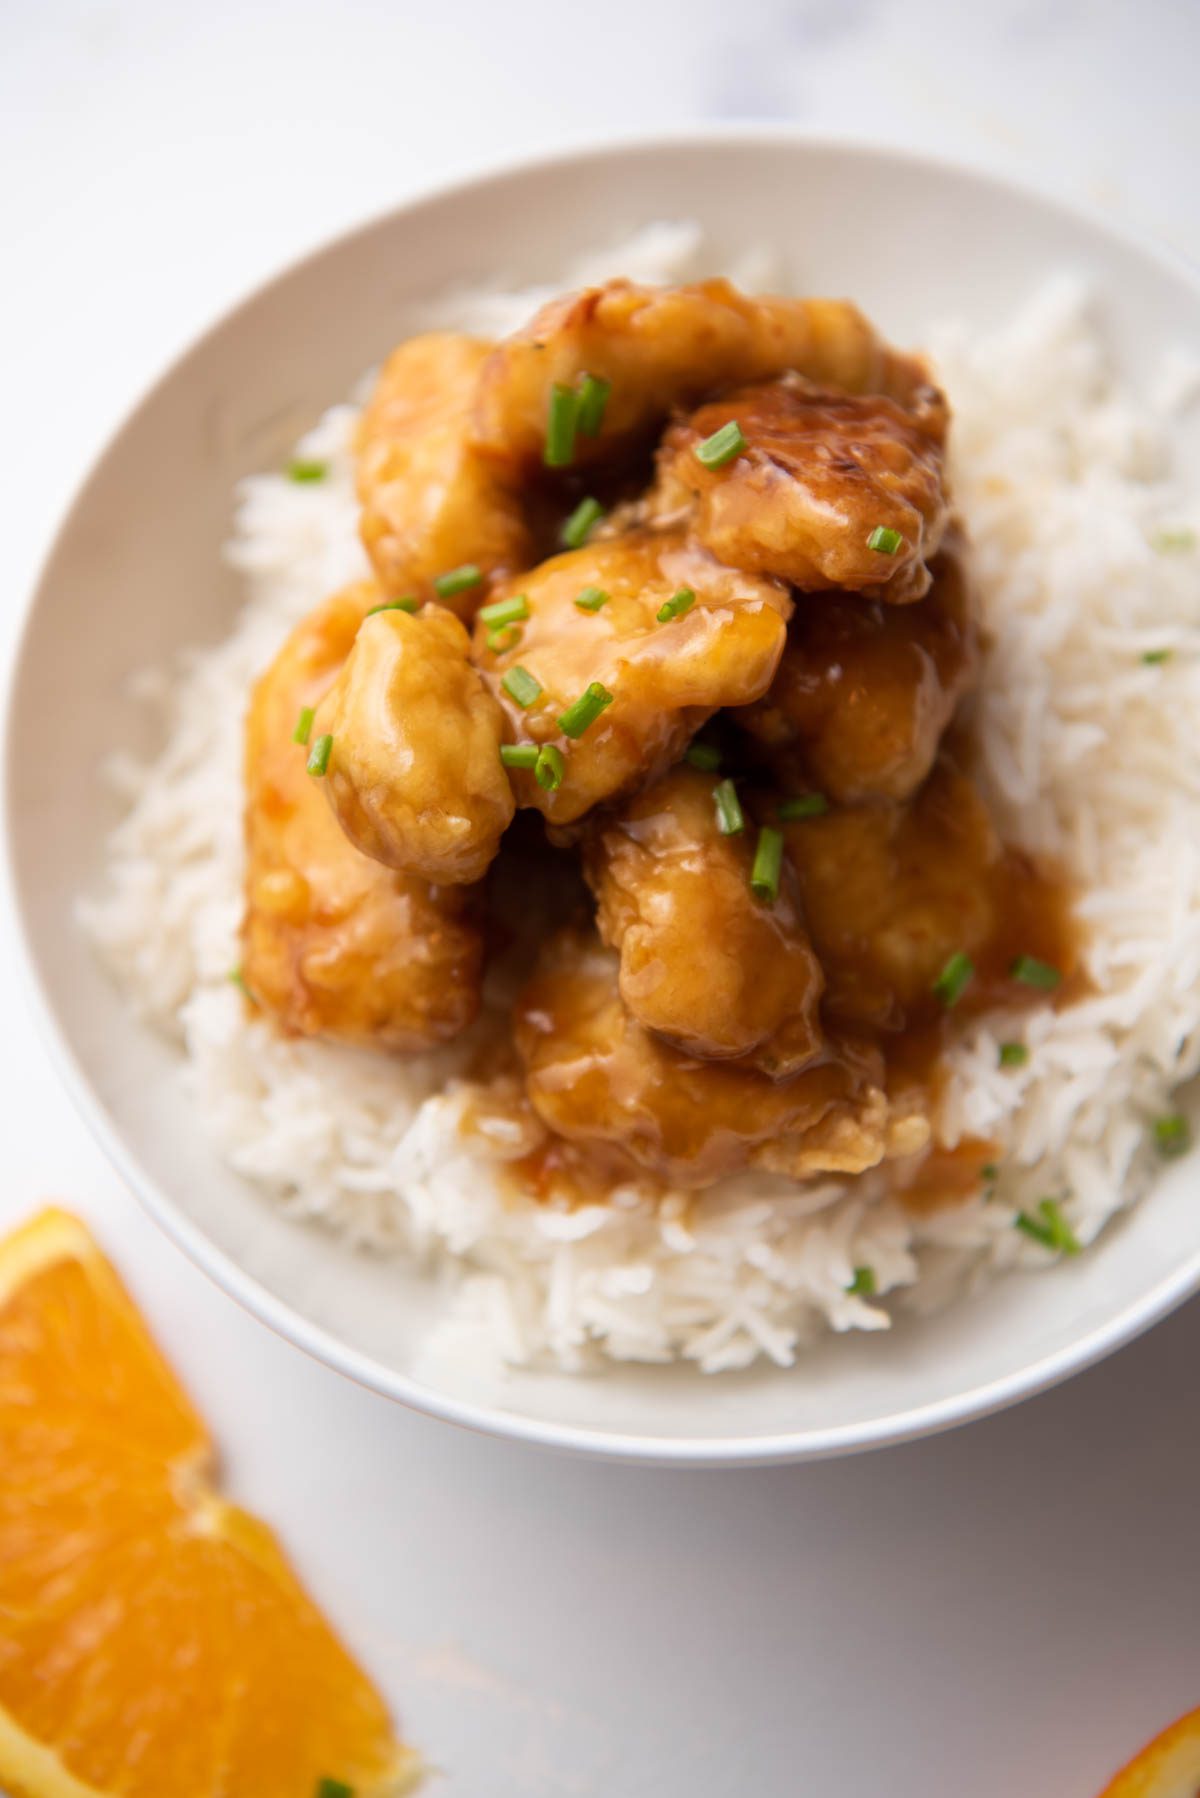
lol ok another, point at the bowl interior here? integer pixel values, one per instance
(137, 575)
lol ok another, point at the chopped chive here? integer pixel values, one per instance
(768, 864)
(333, 1788)
(1032, 972)
(804, 805)
(864, 1285)
(1154, 656)
(304, 725)
(318, 755)
(504, 611)
(1049, 1227)
(722, 446)
(1065, 1238)
(520, 685)
(549, 768)
(1013, 1055)
(885, 540)
(519, 755)
(954, 979)
(593, 398)
(730, 817)
(408, 604)
(1172, 1135)
(680, 602)
(561, 420)
(578, 527)
(590, 599)
(457, 580)
(304, 472)
(501, 641)
(238, 980)
(703, 755)
(989, 1171)
(585, 711)
(1166, 541)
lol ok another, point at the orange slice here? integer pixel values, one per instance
(1169, 1767)
(154, 1641)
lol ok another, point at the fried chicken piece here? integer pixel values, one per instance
(892, 892)
(720, 648)
(663, 347)
(704, 964)
(864, 692)
(595, 1076)
(415, 778)
(820, 476)
(430, 502)
(334, 944)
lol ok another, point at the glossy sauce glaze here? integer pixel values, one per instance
(916, 918)
(687, 767)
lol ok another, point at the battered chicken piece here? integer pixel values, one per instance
(822, 477)
(704, 964)
(595, 1076)
(334, 944)
(430, 502)
(721, 647)
(892, 892)
(662, 347)
(414, 775)
(865, 691)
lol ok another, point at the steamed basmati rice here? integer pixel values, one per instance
(1085, 555)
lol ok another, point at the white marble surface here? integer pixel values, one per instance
(1005, 1610)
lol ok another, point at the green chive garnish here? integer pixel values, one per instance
(501, 641)
(1154, 656)
(318, 755)
(730, 817)
(885, 540)
(1013, 1055)
(408, 604)
(590, 599)
(989, 1171)
(680, 602)
(304, 472)
(585, 711)
(1049, 1227)
(593, 398)
(952, 982)
(722, 446)
(519, 755)
(1166, 541)
(703, 755)
(1172, 1135)
(304, 723)
(578, 527)
(520, 685)
(561, 421)
(1032, 972)
(333, 1788)
(457, 580)
(805, 805)
(236, 976)
(768, 864)
(504, 611)
(864, 1284)
(549, 768)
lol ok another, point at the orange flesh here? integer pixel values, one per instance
(145, 1620)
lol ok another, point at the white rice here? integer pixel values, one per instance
(1067, 486)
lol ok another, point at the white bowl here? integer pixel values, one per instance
(136, 574)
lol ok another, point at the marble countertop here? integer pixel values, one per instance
(1007, 1609)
